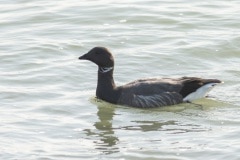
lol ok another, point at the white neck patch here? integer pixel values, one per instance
(105, 69)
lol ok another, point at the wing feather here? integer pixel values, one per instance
(156, 100)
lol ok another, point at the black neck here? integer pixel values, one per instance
(106, 88)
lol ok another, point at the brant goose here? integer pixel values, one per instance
(144, 93)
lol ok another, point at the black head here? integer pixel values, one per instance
(100, 56)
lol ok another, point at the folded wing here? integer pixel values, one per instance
(156, 100)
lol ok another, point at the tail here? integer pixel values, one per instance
(192, 84)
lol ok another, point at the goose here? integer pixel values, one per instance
(148, 92)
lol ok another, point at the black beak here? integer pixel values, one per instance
(83, 57)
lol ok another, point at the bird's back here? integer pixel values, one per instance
(156, 92)
(149, 93)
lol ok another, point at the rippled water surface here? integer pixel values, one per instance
(48, 109)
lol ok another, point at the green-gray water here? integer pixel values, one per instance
(48, 110)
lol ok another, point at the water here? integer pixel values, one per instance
(48, 109)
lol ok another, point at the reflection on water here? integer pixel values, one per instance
(146, 126)
(104, 133)
(172, 127)
(106, 139)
